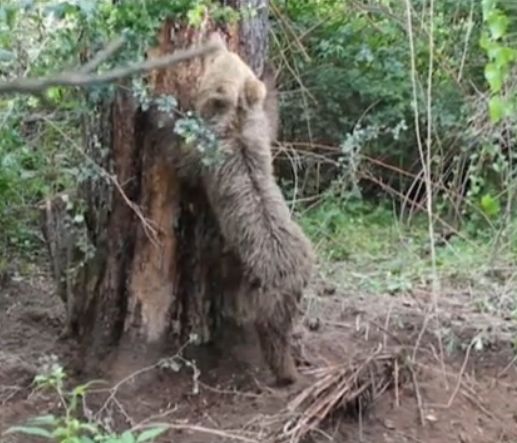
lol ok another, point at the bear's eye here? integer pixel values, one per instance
(215, 107)
(219, 106)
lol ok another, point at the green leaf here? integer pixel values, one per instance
(127, 437)
(10, 15)
(60, 9)
(502, 56)
(490, 205)
(497, 24)
(92, 428)
(488, 6)
(496, 109)
(61, 432)
(54, 93)
(87, 7)
(195, 15)
(29, 430)
(26, 4)
(6, 56)
(82, 389)
(494, 76)
(151, 434)
(485, 42)
(43, 420)
(78, 218)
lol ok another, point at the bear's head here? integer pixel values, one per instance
(227, 87)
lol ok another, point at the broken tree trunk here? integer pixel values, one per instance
(155, 270)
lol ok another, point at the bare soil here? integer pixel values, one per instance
(462, 390)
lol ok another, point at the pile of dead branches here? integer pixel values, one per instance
(348, 388)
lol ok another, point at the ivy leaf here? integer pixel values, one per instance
(494, 77)
(496, 109)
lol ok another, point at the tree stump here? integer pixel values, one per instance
(155, 272)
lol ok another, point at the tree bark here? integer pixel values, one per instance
(155, 271)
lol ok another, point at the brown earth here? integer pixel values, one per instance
(469, 395)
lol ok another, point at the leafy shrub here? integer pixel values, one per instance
(348, 71)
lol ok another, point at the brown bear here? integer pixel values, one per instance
(252, 214)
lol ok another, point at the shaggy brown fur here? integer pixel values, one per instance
(271, 102)
(229, 75)
(253, 216)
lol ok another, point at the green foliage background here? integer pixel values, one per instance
(344, 75)
(349, 160)
(347, 83)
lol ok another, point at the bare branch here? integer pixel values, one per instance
(103, 55)
(82, 77)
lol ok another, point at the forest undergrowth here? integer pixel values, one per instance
(372, 251)
(396, 155)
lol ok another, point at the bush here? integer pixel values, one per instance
(346, 84)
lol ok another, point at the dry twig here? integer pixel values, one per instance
(349, 387)
(418, 396)
(103, 55)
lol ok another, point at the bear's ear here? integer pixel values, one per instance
(220, 48)
(215, 39)
(254, 92)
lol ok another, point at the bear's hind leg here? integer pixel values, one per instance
(274, 334)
